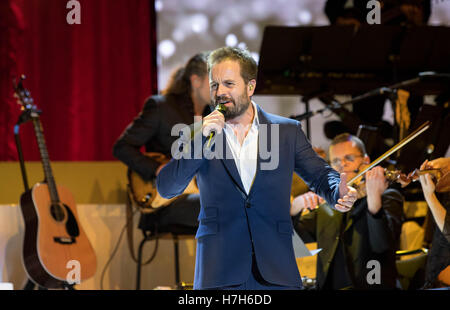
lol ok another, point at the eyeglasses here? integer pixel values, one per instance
(348, 158)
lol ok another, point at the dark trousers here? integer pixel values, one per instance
(181, 215)
(255, 281)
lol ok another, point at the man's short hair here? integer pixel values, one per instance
(249, 68)
(344, 137)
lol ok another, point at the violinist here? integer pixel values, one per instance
(437, 272)
(370, 231)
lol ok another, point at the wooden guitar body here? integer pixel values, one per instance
(53, 237)
(56, 251)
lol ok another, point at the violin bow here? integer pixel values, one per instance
(393, 149)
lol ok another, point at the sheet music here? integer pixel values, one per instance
(300, 249)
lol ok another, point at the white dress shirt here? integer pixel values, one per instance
(245, 155)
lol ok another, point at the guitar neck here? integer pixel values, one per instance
(50, 180)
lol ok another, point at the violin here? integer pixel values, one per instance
(440, 176)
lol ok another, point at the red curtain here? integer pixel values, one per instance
(89, 79)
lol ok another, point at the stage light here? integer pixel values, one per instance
(231, 40)
(242, 45)
(166, 48)
(178, 35)
(159, 5)
(304, 17)
(199, 23)
(250, 30)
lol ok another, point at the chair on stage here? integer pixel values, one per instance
(413, 253)
(153, 230)
(412, 257)
(172, 232)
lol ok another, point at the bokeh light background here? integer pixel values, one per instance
(185, 27)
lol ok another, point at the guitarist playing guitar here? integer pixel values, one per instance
(54, 240)
(187, 95)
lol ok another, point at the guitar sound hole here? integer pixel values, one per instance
(57, 212)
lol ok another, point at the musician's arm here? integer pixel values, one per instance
(127, 148)
(188, 156)
(446, 229)
(440, 214)
(315, 171)
(385, 226)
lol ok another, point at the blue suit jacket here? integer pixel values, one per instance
(232, 223)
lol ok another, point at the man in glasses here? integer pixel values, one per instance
(358, 247)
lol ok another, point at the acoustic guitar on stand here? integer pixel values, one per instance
(54, 240)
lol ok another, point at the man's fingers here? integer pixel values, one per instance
(313, 200)
(215, 114)
(308, 201)
(215, 121)
(346, 203)
(424, 165)
(212, 126)
(342, 208)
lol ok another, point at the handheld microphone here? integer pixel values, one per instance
(222, 109)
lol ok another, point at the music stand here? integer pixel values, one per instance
(431, 144)
(312, 61)
(347, 60)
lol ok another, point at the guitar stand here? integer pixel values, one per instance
(31, 285)
(23, 118)
(67, 286)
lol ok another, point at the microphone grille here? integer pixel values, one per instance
(221, 108)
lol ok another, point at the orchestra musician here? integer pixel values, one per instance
(349, 241)
(186, 96)
(437, 272)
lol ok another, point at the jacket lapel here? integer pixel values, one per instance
(228, 160)
(230, 165)
(263, 122)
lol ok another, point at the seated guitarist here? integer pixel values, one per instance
(187, 95)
